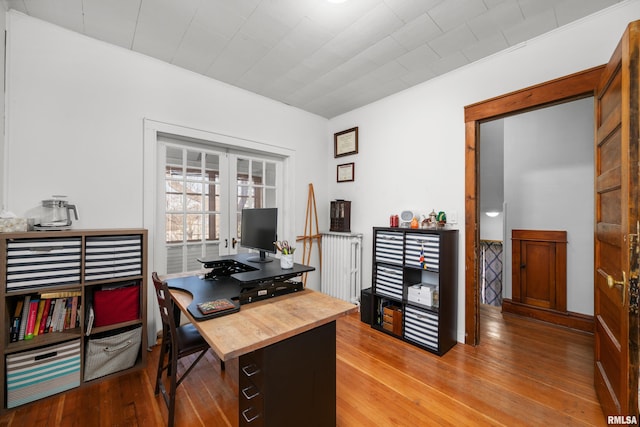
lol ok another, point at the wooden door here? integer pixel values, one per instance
(616, 229)
(539, 269)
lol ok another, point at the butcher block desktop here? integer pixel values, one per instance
(286, 351)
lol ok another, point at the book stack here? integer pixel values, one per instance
(44, 313)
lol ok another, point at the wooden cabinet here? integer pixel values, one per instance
(415, 285)
(79, 278)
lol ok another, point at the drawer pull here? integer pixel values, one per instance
(245, 391)
(247, 419)
(46, 356)
(250, 370)
(42, 249)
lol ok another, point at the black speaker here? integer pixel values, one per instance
(366, 301)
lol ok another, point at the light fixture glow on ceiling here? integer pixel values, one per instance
(336, 1)
(492, 214)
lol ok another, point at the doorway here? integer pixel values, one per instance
(575, 86)
(536, 180)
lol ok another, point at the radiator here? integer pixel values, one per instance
(341, 275)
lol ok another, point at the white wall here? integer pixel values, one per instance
(492, 179)
(411, 145)
(549, 184)
(75, 110)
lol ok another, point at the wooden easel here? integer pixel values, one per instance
(309, 235)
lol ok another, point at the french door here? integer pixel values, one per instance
(204, 190)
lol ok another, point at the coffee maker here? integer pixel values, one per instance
(56, 214)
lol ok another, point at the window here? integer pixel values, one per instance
(202, 202)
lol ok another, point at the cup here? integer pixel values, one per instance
(286, 262)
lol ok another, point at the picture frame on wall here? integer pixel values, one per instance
(346, 172)
(346, 142)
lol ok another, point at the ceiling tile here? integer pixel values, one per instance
(531, 27)
(505, 14)
(200, 46)
(417, 32)
(66, 13)
(453, 40)
(113, 21)
(570, 10)
(418, 59)
(408, 10)
(162, 25)
(237, 58)
(451, 14)
(384, 51)
(485, 47)
(448, 63)
(390, 71)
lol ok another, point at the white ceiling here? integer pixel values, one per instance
(321, 57)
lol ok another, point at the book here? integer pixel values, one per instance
(90, 318)
(52, 307)
(67, 314)
(15, 321)
(215, 306)
(23, 318)
(55, 318)
(31, 318)
(36, 327)
(74, 311)
(61, 294)
(43, 318)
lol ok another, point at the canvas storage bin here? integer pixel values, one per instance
(111, 354)
(45, 371)
(116, 305)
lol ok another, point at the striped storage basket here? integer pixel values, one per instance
(109, 257)
(43, 262)
(422, 251)
(389, 246)
(42, 372)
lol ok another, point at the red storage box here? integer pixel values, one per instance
(116, 305)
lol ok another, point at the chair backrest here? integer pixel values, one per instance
(165, 303)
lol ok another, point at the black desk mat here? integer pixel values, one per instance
(203, 290)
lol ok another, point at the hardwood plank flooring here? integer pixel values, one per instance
(524, 373)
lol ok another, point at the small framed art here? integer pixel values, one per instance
(346, 172)
(345, 142)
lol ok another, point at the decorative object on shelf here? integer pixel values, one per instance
(286, 262)
(345, 142)
(405, 219)
(340, 216)
(442, 218)
(415, 223)
(433, 218)
(345, 172)
(394, 221)
(56, 214)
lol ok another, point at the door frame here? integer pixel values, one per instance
(564, 89)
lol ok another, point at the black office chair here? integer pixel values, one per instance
(177, 342)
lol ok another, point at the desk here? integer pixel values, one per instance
(286, 350)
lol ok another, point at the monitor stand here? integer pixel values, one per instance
(262, 258)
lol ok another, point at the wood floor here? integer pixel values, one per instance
(523, 373)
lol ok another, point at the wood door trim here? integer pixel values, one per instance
(574, 86)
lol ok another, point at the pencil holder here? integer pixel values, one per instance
(286, 261)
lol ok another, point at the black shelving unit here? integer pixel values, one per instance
(415, 286)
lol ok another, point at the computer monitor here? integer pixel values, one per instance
(259, 231)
